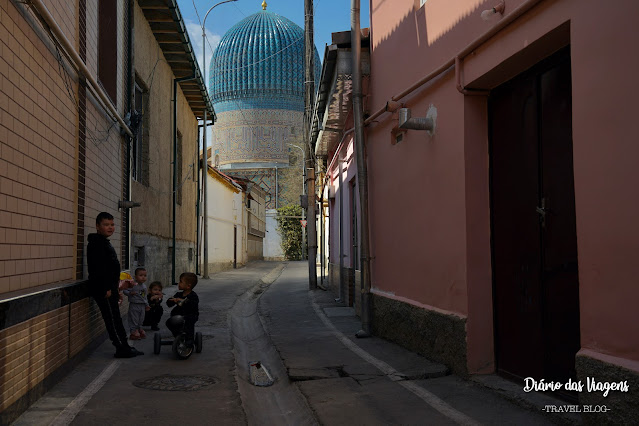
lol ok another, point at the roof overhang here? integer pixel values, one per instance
(333, 102)
(169, 30)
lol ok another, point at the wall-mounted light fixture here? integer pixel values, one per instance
(406, 122)
(126, 204)
(489, 14)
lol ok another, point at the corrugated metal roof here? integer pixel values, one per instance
(169, 30)
(333, 102)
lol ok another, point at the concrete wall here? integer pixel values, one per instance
(273, 239)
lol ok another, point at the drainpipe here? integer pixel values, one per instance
(197, 204)
(129, 139)
(460, 86)
(175, 84)
(340, 161)
(362, 176)
(322, 240)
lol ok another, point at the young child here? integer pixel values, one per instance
(104, 274)
(138, 305)
(126, 281)
(154, 314)
(186, 304)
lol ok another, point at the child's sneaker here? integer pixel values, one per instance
(142, 334)
(135, 335)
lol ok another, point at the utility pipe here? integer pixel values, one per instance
(197, 203)
(503, 23)
(175, 159)
(460, 85)
(362, 175)
(68, 47)
(130, 140)
(339, 147)
(340, 161)
(303, 163)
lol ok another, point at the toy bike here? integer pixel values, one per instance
(181, 349)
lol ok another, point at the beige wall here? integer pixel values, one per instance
(154, 72)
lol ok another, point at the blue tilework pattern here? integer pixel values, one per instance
(259, 64)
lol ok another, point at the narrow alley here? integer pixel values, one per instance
(304, 341)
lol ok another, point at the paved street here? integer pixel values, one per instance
(302, 340)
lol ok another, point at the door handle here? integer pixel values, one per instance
(542, 210)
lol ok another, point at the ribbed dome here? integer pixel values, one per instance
(259, 63)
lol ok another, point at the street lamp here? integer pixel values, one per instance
(205, 272)
(303, 192)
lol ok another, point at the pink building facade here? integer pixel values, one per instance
(502, 239)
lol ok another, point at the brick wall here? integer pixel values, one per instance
(30, 351)
(51, 192)
(38, 151)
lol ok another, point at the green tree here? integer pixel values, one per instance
(290, 228)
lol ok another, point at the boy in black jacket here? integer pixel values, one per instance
(187, 303)
(104, 277)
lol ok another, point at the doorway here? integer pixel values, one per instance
(534, 239)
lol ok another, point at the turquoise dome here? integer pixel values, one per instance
(259, 64)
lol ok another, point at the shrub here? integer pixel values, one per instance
(288, 223)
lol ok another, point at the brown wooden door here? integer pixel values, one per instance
(533, 223)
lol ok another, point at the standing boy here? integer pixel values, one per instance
(104, 276)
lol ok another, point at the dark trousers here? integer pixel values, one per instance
(153, 316)
(110, 311)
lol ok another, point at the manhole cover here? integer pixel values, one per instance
(175, 383)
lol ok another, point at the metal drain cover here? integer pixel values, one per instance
(175, 383)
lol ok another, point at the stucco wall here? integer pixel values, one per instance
(343, 188)
(440, 182)
(225, 214)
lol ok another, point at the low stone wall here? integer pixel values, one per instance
(622, 407)
(350, 290)
(436, 336)
(154, 254)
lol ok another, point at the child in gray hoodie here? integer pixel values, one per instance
(138, 305)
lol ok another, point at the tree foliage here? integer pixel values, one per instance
(290, 230)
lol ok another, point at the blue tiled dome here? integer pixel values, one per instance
(259, 64)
